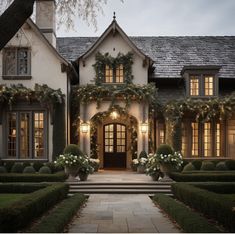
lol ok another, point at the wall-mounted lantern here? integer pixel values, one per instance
(144, 127)
(84, 127)
(114, 115)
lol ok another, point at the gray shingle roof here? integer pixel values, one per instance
(170, 54)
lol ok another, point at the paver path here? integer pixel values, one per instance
(121, 213)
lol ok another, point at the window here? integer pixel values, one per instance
(184, 141)
(16, 62)
(201, 85)
(218, 140)
(26, 134)
(207, 140)
(114, 75)
(195, 134)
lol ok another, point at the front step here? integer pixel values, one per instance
(149, 188)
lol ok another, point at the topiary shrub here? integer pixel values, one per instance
(189, 167)
(197, 164)
(26, 164)
(221, 166)
(8, 166)
(73, 149)
(29, 170)
(45, 170)
(165, 149)
(207, 166)
(52, 166)
(37, 165)
(17, 168)
(3, 169)
(1, 162)
(143, 154)
(230, 164)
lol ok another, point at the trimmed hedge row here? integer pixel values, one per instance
(20, 188)
(212, 204)
(21, 213)
(201, 177)
(10, 177)
(189, 221)
(59, 216)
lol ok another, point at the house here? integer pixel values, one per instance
(121, 95)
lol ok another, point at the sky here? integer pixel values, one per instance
(163, 18)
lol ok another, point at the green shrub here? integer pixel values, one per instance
(21, 213)
(37, 165)
(185, 162)
(221, 166)
(209, 203)
(44, 170)
(203, 176)
(207, 166)
(197, 164)
(59, 216)
(52, 166)
(10, 177)
(17, 168)
(29, 169)
(189, 167)
(59, 168)
(9, 165)
(3, 169)
(143, 154)
(189, 221)
(165, 149)
(230, 164)
(1, 163)
(73, 149)
(26, 164)
(21, 188)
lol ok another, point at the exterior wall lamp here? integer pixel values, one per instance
(114, 115)
(84, 127)
(144, 127)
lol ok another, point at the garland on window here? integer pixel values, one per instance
(98, 119)
(126, 92)
(107, 59)
(42, 93)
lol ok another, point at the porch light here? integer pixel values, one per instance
(84, 127)
(114, 115)
(144, 127)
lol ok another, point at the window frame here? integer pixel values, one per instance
(22, 108)
(17, 76)
(114, 73)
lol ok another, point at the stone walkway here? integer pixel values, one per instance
(126, 213)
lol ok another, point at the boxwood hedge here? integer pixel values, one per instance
(21, 213)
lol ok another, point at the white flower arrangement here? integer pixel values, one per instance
(174, 159)
(143, 161)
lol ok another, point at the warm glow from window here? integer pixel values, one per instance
(194, 86)
(108, 74)
(217, 140)
(209, 85)
(119, 74)
(207, 139)
(183, 141)
(195, 145)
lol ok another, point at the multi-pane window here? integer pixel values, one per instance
(114, 75)
(195, 145)
(16, 62)
(109, 138)
(194, 86)
(217, 140)
(121, 138)
(183, 148)
(202, 85)
(26, 134)
(207, 140)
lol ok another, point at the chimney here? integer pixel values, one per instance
(45, 19)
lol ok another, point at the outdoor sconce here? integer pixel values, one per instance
(114, 115)
(84, 127)
(144, 127)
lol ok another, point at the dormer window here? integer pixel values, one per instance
(194, 86)
(114, 75)
(209, 85)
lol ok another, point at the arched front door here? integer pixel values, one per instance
(115, 145)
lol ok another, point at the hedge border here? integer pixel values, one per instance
(21, 188)
(17, 177)
(60, 216)
(203, 177)
(190, 221)
(209, 203)
(19, 214)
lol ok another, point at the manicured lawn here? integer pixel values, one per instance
(9, 198)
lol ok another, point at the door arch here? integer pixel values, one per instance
(114, 145)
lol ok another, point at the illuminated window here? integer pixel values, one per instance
(26, 131)
(207, 139)
(16, 62)
(119, 74)
(194, 86)
(183, 148)
(195, 143)
(209, 85)
(108, 74)
(218, 140)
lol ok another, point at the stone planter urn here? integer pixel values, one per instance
(71, 171)
(141, 169)
(165, 168)
(155, 177)
(83, 176)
